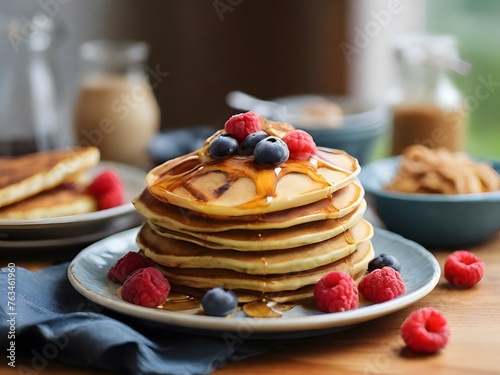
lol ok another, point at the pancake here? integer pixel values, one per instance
(237, 186)
(176, 253)
(203, 278)
(24, 176)
(165, 215)
(66, 199)
(269, 239)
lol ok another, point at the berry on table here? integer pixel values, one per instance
(219, 302)
(223, 146)
(146, 287)
(382, 285)
(300, 144)
(271, 151)
(241, 125)
(336, 292)
(425, 330)
(248, 145)
(463, 269)
(384, 260)
(126, 265)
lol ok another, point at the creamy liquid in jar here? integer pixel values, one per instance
(117, 115)
(428, 125)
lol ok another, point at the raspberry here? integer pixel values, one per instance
(463, 269)
(104, 181)
(425, 330)
(111, 198)
(126, 265)
(243, 124)
(382, 285)
(300, 144)
(336, 292)
(108, 189)
(146, 287)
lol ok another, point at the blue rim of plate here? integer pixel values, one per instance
(87, 274)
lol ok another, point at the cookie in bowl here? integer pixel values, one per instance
(437, 198)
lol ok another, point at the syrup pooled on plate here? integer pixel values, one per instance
(266, 309)
(182, 303)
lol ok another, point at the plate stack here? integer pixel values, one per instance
(43, 202)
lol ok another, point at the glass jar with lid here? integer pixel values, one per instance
(427, 105)
(116, 109)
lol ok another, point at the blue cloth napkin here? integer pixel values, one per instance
(52, 322)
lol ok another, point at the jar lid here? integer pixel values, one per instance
(114, 53)
(427, 49)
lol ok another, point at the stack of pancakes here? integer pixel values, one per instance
(263, 232)
(46, 184)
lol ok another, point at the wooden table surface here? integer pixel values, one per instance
(375, 347)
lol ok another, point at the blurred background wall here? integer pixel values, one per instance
(210, 47)
(268, 48)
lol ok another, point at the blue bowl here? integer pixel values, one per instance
(433, 220)
(176, 142)
(361, 128)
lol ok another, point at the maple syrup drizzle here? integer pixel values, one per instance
(349, 238)
(184, 171)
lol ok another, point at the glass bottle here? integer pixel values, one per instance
(427, 107)
(116, 109)
(29, 98)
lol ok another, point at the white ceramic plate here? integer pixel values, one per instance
(87, 273)
(77, 228)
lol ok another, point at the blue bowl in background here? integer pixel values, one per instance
(358, 133)
(177, 142)
(433, 220)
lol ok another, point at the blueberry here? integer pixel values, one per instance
(271, 151)
(248, 145)
(384, 260)
(223, 146)
(219, 302)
